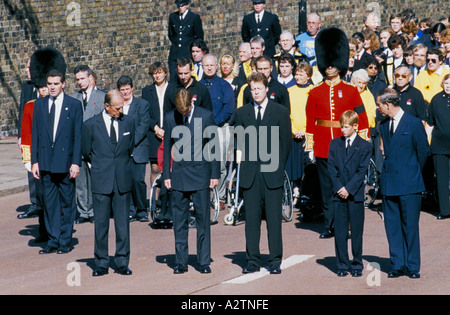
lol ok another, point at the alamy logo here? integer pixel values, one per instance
(256, 144)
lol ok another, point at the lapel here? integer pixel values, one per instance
(133, 107)
(65, 109)
(394, 141)
(104, 132)
(353, 148)
(45, 117)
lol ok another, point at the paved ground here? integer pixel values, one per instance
(308, 267)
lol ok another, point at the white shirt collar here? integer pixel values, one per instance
(352, 138)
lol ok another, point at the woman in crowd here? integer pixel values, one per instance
(439, 119)
(227, 65)
(298, 95)
(445, 40)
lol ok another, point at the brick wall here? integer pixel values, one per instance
(124, 37)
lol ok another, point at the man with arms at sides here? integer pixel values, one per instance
(92, 100)
(56, 156)
(325, 105)
(263, 23)
(186, 80)
(108, 142)
(191, 177)
(405, 148)
(262, 179)
(138, 109)
(184, 27)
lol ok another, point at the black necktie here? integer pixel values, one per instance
(84, 99)
(112, 133)
(258, 19)
(347, 147)
(52, 116)
(391, 130)
(258, 117)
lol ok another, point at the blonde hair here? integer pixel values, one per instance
(349, 117)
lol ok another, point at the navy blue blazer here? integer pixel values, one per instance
(109, 164)
(404, 157)
(349, 170)
(195, 173)
(57, 157)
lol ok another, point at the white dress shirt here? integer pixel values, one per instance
(58, 106)
(107, 120)
(397, 118)
(263, 108)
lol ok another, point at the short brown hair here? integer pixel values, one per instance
(258, 77)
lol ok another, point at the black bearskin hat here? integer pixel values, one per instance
(332, 49)
(42, 61)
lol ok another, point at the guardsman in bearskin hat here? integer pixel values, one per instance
(326, 103)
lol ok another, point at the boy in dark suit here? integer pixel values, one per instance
(348, 160)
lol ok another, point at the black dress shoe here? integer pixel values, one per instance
(81, 220)
(250, 269)
(275, 270)
(48, 250)
(414, 275)
(62, 250)
(99, 271)
(124, 271)
(179, 269)
(28, 214)
(356, 273)
(395, 274)
(342, 273)
(443, 217)
(205, 269)
(327, 234)
(41, 239)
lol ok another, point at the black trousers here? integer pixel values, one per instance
(138, 206)
(259, 199)
(118, 204)
(441, 166)
(326, 192)
(348, 212)
(180, 214)
(59, 208)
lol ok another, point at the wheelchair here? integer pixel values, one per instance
(157, 204)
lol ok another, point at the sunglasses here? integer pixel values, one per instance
(404, 76)
(432, 60)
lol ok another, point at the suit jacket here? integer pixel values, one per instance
(109, 164)
(95, 105)
(195, 173)
(405, 155)
(269, 29)
(150, 94)
(139, 111)
(349, 170)
(57, 156)
(183, 32)
(275, 115)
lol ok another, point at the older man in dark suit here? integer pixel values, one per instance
(191, 175)
(56, 159)
(262, 181)
(406, 150)
(108, 142)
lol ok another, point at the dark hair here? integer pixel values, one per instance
(124, 80)
(56, 73)
(181, 62)
(435, 51)
(396, 40)
(158, 66)
(200, 43)
(258, 77)
(81, 68)
(289, 58)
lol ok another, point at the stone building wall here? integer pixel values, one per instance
(123, 37)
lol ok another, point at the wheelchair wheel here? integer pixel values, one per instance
(287, 210)
(372, 185)
(154, 203)
(215, 205)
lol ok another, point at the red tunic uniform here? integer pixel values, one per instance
(325, 105)
(25, 135)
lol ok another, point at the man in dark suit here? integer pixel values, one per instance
(92, 100)
(348, 160)
(263, 23)
(262, 179)
(108, 142)
(406, 150)
(184, 27)
(138, 109)
(56, 159)
(191, 175)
